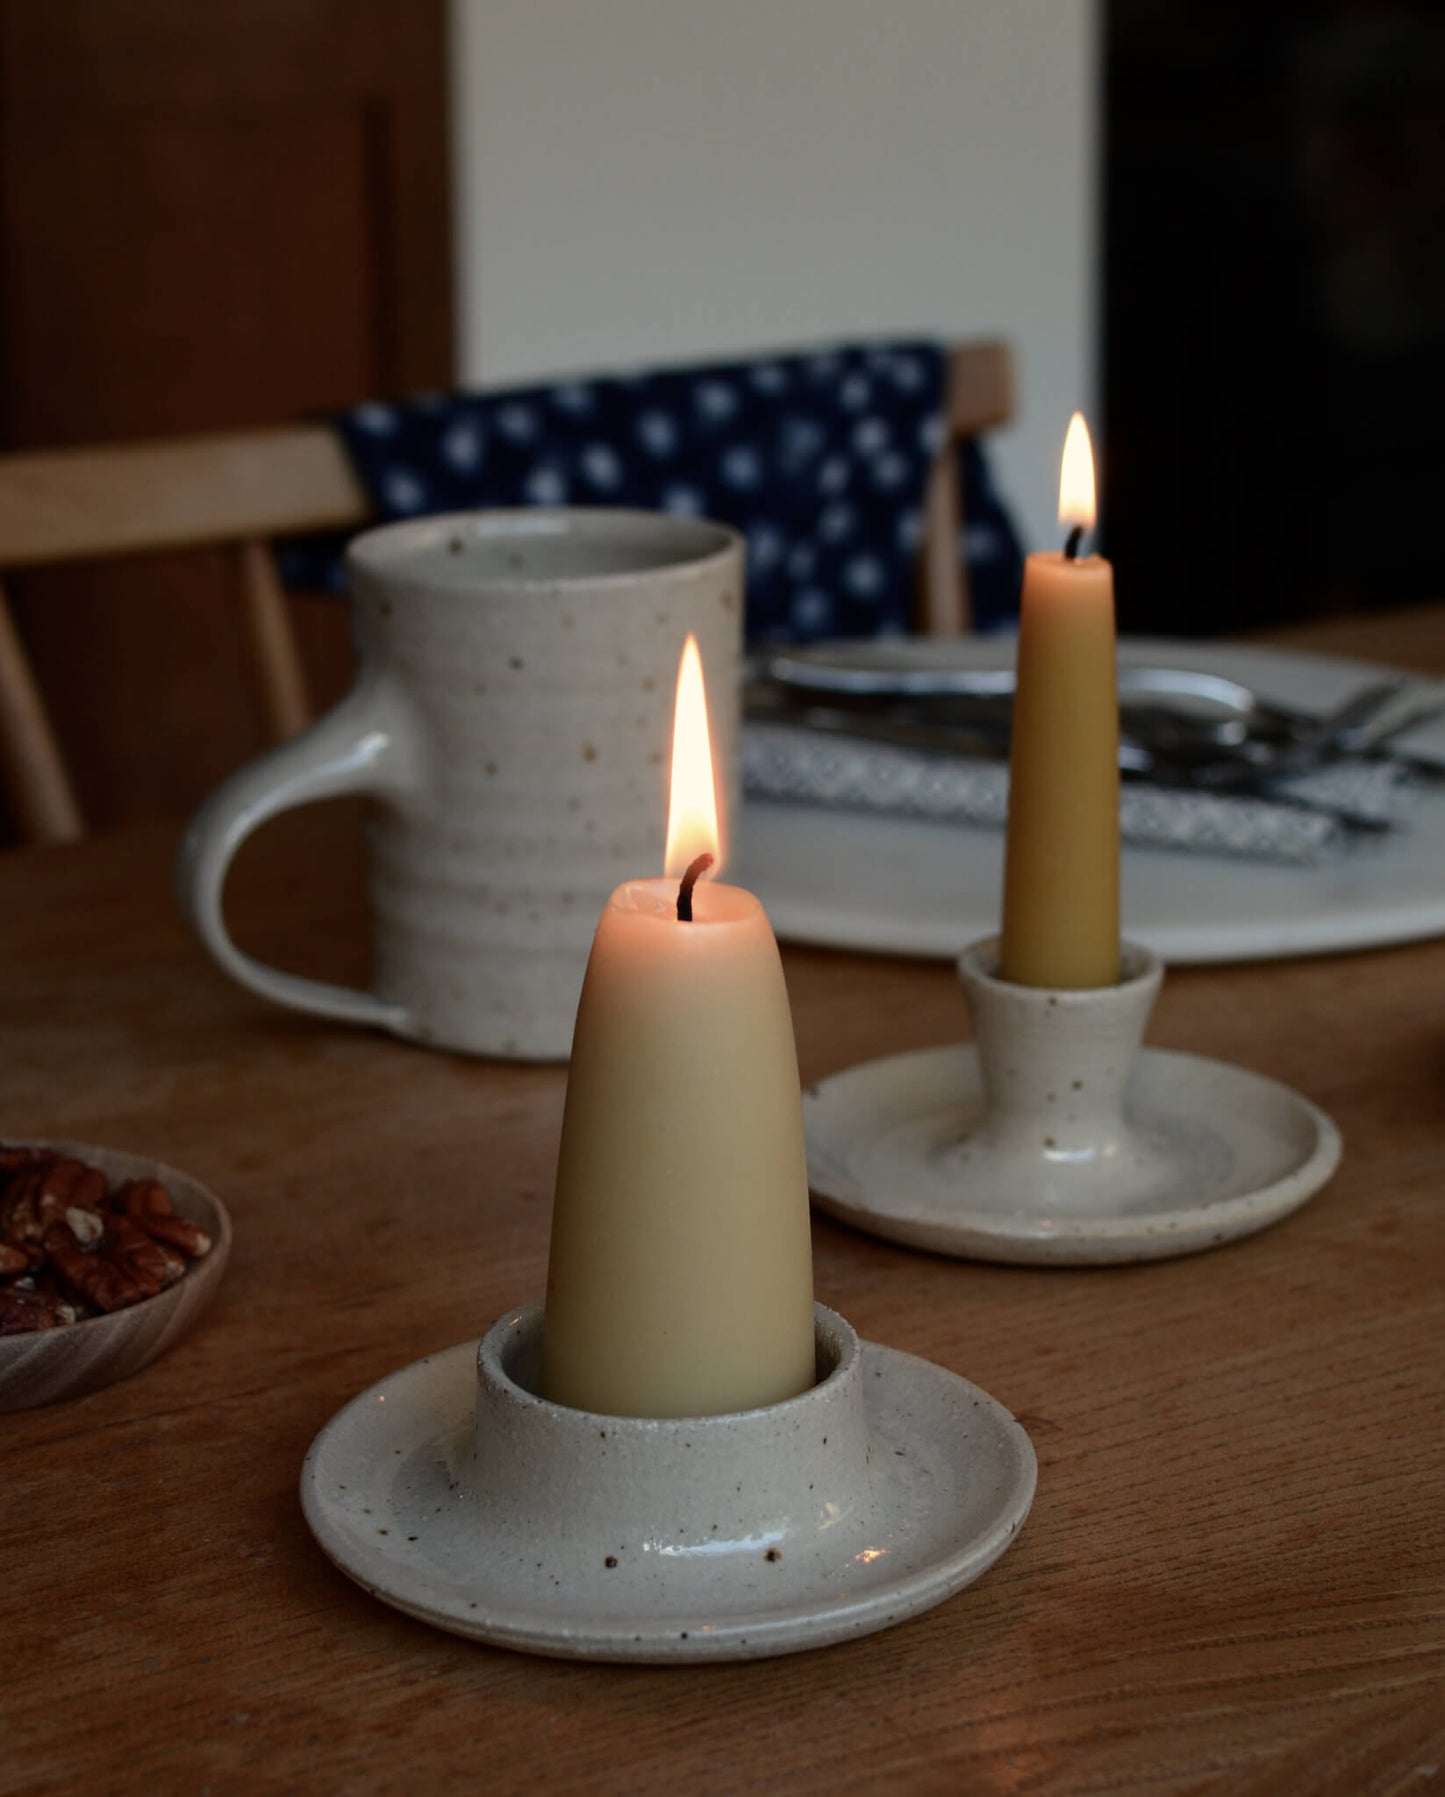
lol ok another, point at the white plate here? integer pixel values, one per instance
(903, 886)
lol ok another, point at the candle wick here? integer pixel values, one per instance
(689, 880)
(1071, 547)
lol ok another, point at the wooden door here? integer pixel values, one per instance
(210, 215)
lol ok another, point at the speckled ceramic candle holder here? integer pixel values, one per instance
(1055, 1138)
(455, 1493)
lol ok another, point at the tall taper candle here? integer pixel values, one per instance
(1061, 872)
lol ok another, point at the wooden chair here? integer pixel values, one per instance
(240, 490)
(232, 491)
(980, 398)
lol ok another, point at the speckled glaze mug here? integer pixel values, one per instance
(512, 721)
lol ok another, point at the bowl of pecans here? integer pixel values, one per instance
(105, 1260)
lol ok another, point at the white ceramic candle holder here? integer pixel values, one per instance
(453, 1492)
(1054, 1138)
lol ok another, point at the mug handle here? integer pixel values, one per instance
(366, 745)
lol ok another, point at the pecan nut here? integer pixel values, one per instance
(148, 1203)
(29, 1304)
(68, 1250)
(18, 1160)
(123, 1267)
(42, 1195)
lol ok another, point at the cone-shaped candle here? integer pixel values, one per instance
(681, 1280)
(1061, 872)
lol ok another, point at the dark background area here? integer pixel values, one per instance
(1274, 307)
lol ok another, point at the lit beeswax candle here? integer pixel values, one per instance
(1061, 871)
(680, 1281)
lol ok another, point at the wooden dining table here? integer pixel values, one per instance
(1233, 1575)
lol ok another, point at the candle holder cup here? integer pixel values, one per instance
(1056, 1138)
(1054, 1068)
(456, 1493)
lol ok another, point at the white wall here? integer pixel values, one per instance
(661, 180)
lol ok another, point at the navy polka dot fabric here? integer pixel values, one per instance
(820, 459)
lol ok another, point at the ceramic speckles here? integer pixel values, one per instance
(1056, 1139)
(453, 1493)
(512, 721)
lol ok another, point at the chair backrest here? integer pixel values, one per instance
(181, 493)
(242, 489)
(236, 490)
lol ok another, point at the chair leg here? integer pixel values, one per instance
(943, 607)
(46, 808)
(273, 637)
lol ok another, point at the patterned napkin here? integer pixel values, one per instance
(783, 761)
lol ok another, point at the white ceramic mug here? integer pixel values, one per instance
(512, 721)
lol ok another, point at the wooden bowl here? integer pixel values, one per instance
(49, 1364)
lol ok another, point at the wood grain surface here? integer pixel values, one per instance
(1233, 1578)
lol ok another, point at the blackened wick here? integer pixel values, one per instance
(689, 880)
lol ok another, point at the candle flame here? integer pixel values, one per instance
(692, 815)
(1076, 478)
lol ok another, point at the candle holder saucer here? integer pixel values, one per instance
(1056, 1139)
(451, 1491)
